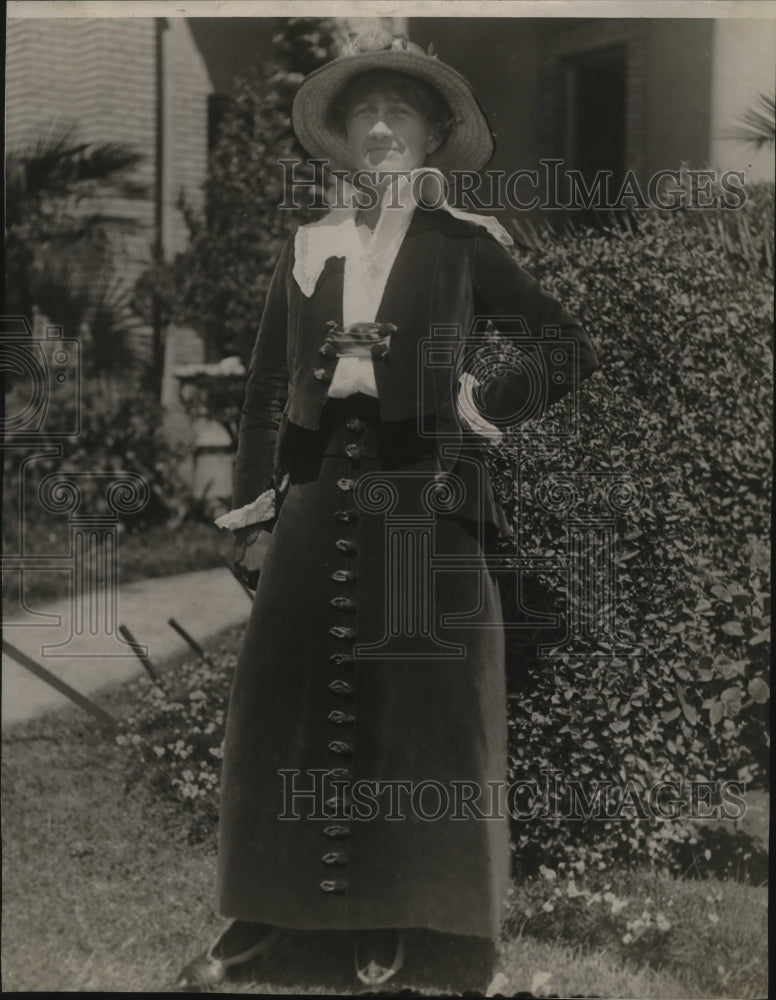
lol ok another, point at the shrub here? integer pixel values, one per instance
(177, 736)
(215, 392)
(121, 431)
(681, 407)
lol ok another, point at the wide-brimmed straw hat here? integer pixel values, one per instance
(469, 144)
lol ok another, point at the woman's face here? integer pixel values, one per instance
(385, 133)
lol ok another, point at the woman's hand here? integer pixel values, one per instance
(250, 543)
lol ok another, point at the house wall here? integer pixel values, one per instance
(564, 40)
(744, 65)
(102, 74)
(117, 103)
(677, 107)
(99, 76)
(501, 59)
(676, 71)
(187, 86)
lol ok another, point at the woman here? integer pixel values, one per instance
(370, 682)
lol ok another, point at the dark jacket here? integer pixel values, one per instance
(449, 277)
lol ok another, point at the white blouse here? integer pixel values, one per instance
(367, 266)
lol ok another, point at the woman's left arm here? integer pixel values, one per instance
(505, 291)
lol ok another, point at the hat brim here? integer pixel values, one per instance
(469, 146)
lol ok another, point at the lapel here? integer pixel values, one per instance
(401, 377)
(410, 269)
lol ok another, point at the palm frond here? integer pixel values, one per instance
(59, 297)
(59, 163)
(103, 161)
(115, 329)
(65, 211)
(757, 125)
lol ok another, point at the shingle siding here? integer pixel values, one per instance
(101, 74)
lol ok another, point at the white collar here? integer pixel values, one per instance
(335, 234)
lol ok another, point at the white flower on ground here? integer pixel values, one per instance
(617, 905)
(539, 981)
(498, 984)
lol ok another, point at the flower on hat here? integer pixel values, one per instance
(379, 41)
(369, 41)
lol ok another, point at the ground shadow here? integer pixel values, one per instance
(323, 961)
(724, 853)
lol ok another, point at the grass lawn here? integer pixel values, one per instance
(103, 892)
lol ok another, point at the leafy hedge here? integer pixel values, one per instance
(681, 406)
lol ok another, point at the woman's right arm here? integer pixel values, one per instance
(266, 391)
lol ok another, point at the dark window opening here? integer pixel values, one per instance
(595, 113)
(217, 105)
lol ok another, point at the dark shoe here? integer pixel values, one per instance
(240, 942)
(379, 955)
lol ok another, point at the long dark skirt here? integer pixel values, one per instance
(421, 715)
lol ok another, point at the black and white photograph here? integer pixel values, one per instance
(387, 476)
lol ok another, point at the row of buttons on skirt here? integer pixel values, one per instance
(343, 689)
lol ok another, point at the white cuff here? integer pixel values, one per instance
(261, 509)
(469, 412)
